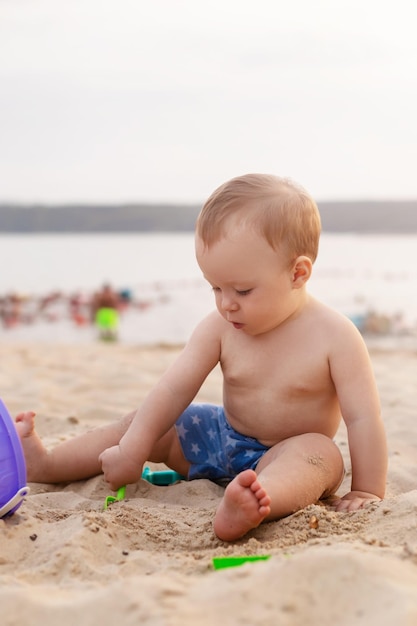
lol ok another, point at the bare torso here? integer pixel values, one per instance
(279, 384)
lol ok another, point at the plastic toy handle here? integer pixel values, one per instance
(162, 477)
(221, 562)
(159, 477)
(121, 492)
(17, 498)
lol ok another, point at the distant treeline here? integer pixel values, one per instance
(359, 217)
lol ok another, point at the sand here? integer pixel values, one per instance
(148, 559)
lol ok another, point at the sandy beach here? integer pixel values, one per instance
(148, 559)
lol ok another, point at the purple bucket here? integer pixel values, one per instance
(13, 487)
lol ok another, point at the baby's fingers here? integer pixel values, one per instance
(353, 505)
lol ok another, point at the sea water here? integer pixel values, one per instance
(356, 274)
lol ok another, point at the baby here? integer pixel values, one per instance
(292, 369)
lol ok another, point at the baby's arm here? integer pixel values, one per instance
(356, 389)
(164, 404)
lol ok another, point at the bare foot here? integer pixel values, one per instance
(33, 448)
(244, 506)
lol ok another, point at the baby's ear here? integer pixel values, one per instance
(301, 271)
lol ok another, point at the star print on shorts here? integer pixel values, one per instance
(215, 450)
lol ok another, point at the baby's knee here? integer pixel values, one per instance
(323, 444)
(322, 451)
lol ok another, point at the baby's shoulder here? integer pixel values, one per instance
(324, 313)
(331, 321)
(212, 325)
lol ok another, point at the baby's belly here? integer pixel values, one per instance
(271, 424)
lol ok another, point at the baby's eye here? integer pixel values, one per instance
(243, 292)
(216, 289)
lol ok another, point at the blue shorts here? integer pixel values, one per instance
(215, 450)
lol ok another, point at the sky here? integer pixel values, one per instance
(164, 100)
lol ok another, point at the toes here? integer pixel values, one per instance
(258, 490)
(22, 417)
(248, 478)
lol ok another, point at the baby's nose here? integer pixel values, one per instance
(229, 304)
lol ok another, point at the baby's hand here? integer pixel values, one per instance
(118, 469)
(355, 500)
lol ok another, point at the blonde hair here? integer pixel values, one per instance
(277, 208)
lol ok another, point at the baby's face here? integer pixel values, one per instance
(252, 283)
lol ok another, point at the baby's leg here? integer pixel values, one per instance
(299, 471)
(168, 450)
(75, 459)
(290, 476)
